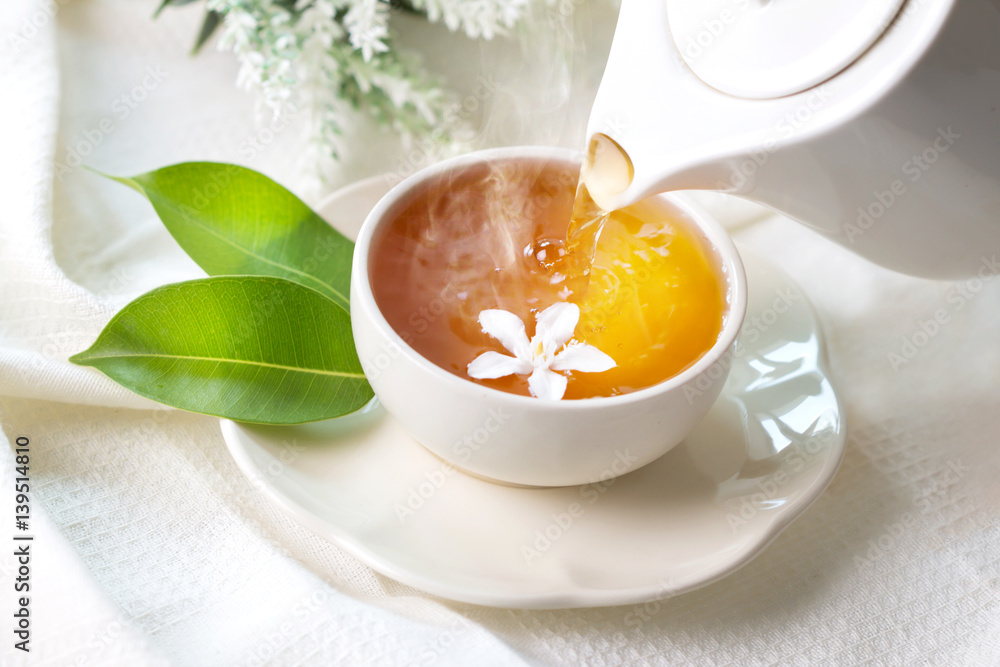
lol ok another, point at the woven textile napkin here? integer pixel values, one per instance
(151, 548)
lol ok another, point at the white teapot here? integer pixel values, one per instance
(874, 122)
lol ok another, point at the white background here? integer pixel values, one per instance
(151, 547)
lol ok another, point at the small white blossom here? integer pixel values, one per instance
(477, 18)
(367, 23)
(549, 350)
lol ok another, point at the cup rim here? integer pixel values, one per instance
(715, 233)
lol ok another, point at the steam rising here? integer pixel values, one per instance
(484, 221)
(547, 75)
(488, 220)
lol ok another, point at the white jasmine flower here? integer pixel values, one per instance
(549, 350)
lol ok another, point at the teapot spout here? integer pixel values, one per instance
(613, 182)
(674, 132)
(643, 134)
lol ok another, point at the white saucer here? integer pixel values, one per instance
(764, 453)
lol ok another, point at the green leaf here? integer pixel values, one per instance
(235, 221)
(171, 3)
(248, 348)
(208, 26)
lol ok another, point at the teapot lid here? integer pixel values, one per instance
(762, 49)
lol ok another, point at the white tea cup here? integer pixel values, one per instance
(519, 439)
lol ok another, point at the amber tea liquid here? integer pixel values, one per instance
(494, 235)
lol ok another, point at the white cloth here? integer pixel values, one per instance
(152, 549)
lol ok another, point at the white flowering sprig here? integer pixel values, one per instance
(327, 58)
(332, 59)
(551, 349)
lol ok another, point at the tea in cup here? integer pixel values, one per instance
(503, 351)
